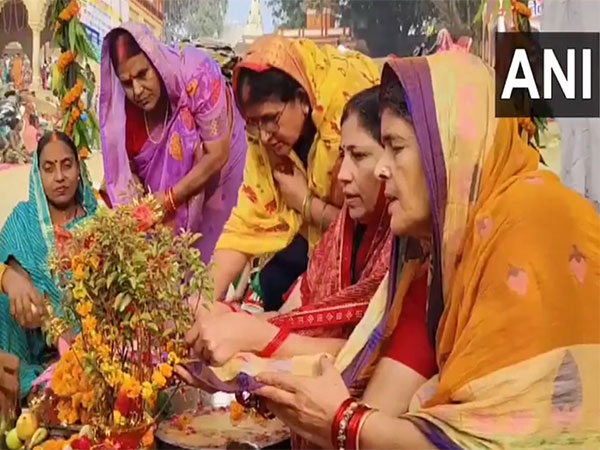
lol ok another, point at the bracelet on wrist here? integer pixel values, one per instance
(170, 201)
(347, 424)
(3, 268)
(306, 204)
(275, 343)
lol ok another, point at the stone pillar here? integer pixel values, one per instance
(36, 29)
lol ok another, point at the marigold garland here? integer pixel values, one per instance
(69, 12)
(521, 8)
(64, 60)
(70, 78)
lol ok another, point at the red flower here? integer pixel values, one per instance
(124, 404)
(82, 443)
(144, 217)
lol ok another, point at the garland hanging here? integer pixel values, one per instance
(69, 78)
(517, 20)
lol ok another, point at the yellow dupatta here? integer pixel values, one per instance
(518, 341)
(262, 223)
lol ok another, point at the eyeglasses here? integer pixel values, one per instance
(267, 124)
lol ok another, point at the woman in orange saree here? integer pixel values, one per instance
(513, 305)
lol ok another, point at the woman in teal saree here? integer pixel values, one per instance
(60, 198)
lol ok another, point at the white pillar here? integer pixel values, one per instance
(36, 29)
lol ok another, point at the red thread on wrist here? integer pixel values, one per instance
(275, 343)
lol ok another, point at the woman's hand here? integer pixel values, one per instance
(191, 380)
(26, 304)
(294, 188)
(307, 405)
(216, 339)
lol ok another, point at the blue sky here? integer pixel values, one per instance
(238, 13)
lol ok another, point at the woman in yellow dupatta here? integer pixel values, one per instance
(292, 95)
(514, 304)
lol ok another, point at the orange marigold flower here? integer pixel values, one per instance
(166, 370)
(159, 380)
(148, 438)
(84, 308)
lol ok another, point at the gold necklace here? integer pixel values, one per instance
(162, 134)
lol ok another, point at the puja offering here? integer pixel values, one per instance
(131, 315)
(218, 421)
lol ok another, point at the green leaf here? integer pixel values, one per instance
(146, 316)
(111, 278)
(72, 38)
(124, 302)
(118, 300)
(479, 15)
(152, 326)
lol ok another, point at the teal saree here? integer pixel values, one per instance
(28, 236)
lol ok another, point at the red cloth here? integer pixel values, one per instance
(409, 343)
(135, 129)
(331, 304)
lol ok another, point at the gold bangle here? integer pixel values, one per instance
(306, 207)
(322, 221)
(170, 201)
(3, 268)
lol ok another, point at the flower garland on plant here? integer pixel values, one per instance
(69, 80)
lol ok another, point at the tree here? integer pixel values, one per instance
(387, 26)
(193, 19)
(288, 13)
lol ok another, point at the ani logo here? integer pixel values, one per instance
(547, 74)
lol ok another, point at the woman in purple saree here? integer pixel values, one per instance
(168, 122)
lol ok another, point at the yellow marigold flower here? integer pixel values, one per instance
(94, 261)
(117, 417)
(158, 380)
(147, 391)
(173, 359)
(84, 308)
(79, 292)
(79, 272)
(166, 370)
(131, 386)
(104, 351)
(89, 324)
(76, 260)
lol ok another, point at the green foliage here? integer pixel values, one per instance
(70, 36)
(192, 19)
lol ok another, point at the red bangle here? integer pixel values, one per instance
(354, 426)
(275, 343)
(335, 425)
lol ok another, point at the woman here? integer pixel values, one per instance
(345, 269)
(16, 72)
(292, 94)
(168, 120)
(518, 364)
(60, 198)
(345, 272)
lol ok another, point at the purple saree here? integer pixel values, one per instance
(198, 96)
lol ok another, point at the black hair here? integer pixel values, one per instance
(272, 84)
(122, 46)
(53, 136)
(365, 105)
(393, 96)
